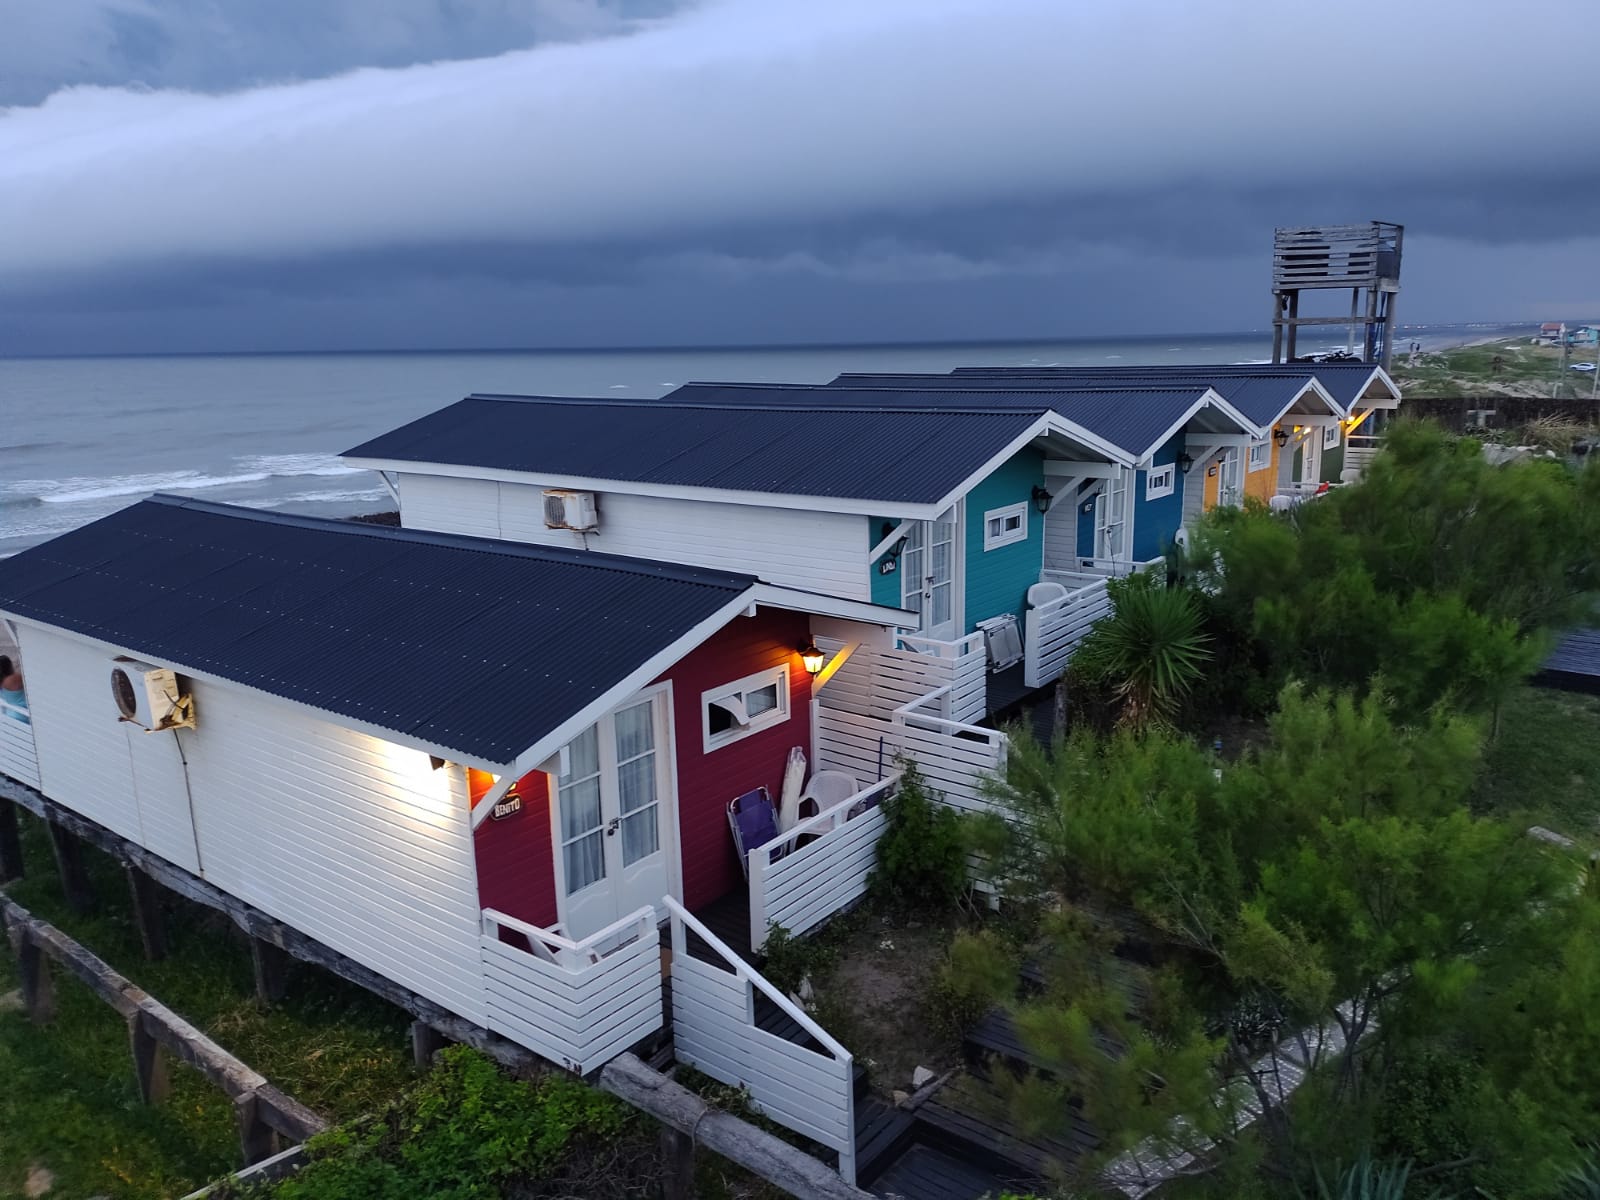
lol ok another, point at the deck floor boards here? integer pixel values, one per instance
(925, 1173)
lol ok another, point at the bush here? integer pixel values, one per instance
(922, 855)
(1151, 651)
(788, 959)
(978, 972)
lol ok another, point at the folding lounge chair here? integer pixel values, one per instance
(754, 823)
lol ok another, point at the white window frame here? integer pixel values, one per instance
(735, 692)
(1330, 436)
(1160, 481)
(1006, 537)
(1265, 445)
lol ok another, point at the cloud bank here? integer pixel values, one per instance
(701, 133)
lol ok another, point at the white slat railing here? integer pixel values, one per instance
(577, 1003)
(963, 668)
(953, 757)
(1052, 631)
(810, 1091)
(828, 871)
(18, 758)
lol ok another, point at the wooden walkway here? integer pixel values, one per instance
(1574, 665)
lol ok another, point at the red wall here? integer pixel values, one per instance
(516, 866)
(706, 782)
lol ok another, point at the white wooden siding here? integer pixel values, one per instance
(162, 798)
(18, 758)
(83, 748)
(818, 551)
(874, 681)
(1061, 531)
(350, 839)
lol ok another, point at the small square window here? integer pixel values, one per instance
(744, 707)
(1004, 526)
(1160, 481)
(1330, 436)
(1260, 455)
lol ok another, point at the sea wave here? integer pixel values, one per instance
(334, 497)
(73, 491)
(287, 465)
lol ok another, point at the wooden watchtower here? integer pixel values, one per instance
(1364, 258)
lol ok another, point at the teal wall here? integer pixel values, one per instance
(885, 588)
(1155, 522)
(998, 581)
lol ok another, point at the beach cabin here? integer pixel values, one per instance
(939, 508)
(488, 771)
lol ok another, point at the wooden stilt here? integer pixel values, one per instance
(426, 1041)
(271, 966)
(149, 1063)
(255, 1135)
(677, 1160)
(147, 913)
(69, 864)
(10, 843)
(38, 990)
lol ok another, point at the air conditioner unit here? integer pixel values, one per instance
(570, 510)
(149, 696)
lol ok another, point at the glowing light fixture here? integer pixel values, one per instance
(812, 657)
(1281, 436)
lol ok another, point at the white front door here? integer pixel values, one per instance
(611, 820)
(1111, 516)
(929, 566)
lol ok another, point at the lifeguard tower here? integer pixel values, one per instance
(1364, 258)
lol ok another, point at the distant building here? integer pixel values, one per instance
(1584, 335)
(1552, 332)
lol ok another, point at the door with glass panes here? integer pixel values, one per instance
(611, 819)
(928, 564)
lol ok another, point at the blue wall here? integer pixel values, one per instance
(1155, 522)
(885, 588)
(998, 580)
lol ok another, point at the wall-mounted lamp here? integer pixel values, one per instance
(812, 657)
(1042, 499)
(1185, 462)
(1281, 436)
(435, 761)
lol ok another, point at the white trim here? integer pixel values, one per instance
(1160, 481)
(795, 600)
(1009, 534)
(1068, 468)
(731, 698)
(1251, 466)
(889, 539)
(1331, 436)
(1208, 399)
(1314, 386)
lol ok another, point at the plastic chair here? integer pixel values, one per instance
(754, 822)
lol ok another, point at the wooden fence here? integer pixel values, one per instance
(875, 681)
(261, 1110)
(576, 1003)
(714, 1030)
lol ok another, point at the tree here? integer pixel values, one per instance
(1150, 651)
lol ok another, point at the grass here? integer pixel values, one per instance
(1525, 370)
(69, 1102)
(1544, 768)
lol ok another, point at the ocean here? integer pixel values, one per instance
(82, 437)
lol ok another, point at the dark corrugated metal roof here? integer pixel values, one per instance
(475, 646)
(1132, 419)
(1344, 381)
(887, 452)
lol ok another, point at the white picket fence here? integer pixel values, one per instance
(714, 1030)
(816, 879)
(577, 1003)
(874, 680)
(18, 757)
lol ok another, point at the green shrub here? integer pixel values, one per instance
(922, 855)
(1151, 650)
(463, 1133)
(788, 959)
(979, 971)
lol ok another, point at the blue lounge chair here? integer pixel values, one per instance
(754, 822)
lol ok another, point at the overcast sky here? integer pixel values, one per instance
(324, 174)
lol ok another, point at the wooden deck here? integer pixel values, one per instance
(1574, 665)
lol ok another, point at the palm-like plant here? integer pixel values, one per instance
(1151, 650)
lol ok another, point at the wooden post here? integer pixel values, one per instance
(147, 914)
(426, 1041)
(38, 992)
(69, 863)
(677, 1160)
(149, 1064)
(255, 1135)
(271, 965)
(10, 843)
